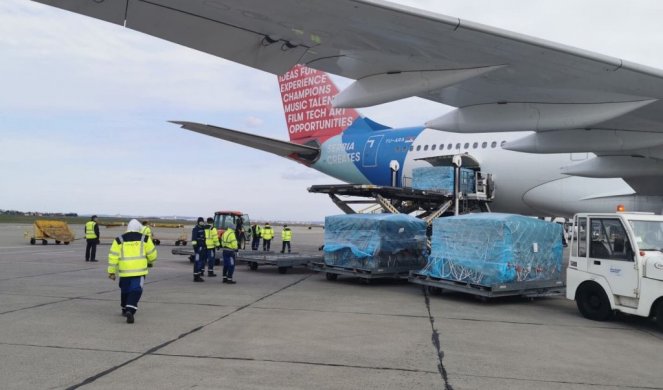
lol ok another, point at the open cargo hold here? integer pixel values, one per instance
(442, 179)
(374, 244)
(58, 231)
(496, 251)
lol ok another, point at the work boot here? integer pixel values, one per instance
(211, 274)
(94, 261)
(230, 281)
(197, 278)
(130, 317)
(124, 312)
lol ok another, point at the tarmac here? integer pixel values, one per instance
(61, 328)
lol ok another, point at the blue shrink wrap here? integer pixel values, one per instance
(442, 179)
(492, 248)
(383, 243)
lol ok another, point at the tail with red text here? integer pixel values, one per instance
(307, 103)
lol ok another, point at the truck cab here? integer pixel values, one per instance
(240, 221)
(616, 264)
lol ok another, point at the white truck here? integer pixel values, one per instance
(616, 264)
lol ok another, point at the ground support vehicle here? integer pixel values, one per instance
(44, 230)
(332, 272)
(529, 289)
(283, 261)
(240, 221)
(616, 264)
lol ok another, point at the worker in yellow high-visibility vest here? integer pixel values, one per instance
(91, 238)
(286, 237)
(211, 243)
(267, 235)
(131, 254)
(230, 247)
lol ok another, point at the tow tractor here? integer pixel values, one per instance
(616, 264)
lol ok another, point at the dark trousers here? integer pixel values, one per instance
(91, 249)
(131, 289)
(199, 262)
(255, 243)
(285, 243)
(266, 244)
(228, 264)
(211, 259)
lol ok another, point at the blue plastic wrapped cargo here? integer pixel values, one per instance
(381, 243)
(492, 248)
(442, 179)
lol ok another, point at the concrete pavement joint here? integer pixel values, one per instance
(297, 362)
(68, 348)
(47, 274)
(602, 385)
(35, 306)
(343, 312)
(152, 350)
(436, 343)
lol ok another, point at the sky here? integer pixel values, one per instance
(84, 107)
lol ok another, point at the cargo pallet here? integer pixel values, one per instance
(332, 272)
(528, 289)
(283, 261)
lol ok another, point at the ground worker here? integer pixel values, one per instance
(255, 236)
(239, 232)
(230, 247)
(286, 236)
(267, 235)
(211, 243)
(146, 229)
(92, 239)
(199, 249)
(131, 254)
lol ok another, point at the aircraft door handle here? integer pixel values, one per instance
(596, 262)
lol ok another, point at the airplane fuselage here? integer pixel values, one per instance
(526, 183)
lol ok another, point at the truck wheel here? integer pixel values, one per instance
(331, 276)
(253, 266)
(659, 315)
(283, 270)
(593, 303)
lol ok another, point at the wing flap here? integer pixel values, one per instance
(277, 147)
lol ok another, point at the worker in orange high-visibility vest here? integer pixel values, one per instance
(131, 254)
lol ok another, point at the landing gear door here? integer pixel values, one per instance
(611, 256)
(371, 149)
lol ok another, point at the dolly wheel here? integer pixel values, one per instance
(157, 242)
(331, 276)
(253, 266)
(593, 303)
(283, 270)
(66, 242)
(177, 243)
(44, 242)
(57, 242)
(33, 241)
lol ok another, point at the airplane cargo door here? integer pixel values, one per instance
(371, 149)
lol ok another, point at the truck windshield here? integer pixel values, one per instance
(648, 234)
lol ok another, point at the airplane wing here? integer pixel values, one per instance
(302, 153)
(574, 100)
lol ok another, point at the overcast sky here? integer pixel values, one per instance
(84, 107)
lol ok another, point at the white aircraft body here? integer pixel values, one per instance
(561, 129)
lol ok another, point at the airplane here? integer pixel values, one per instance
(561, 129)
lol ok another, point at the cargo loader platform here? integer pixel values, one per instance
(528, 289)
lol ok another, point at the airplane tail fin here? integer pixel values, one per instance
(307, 102)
